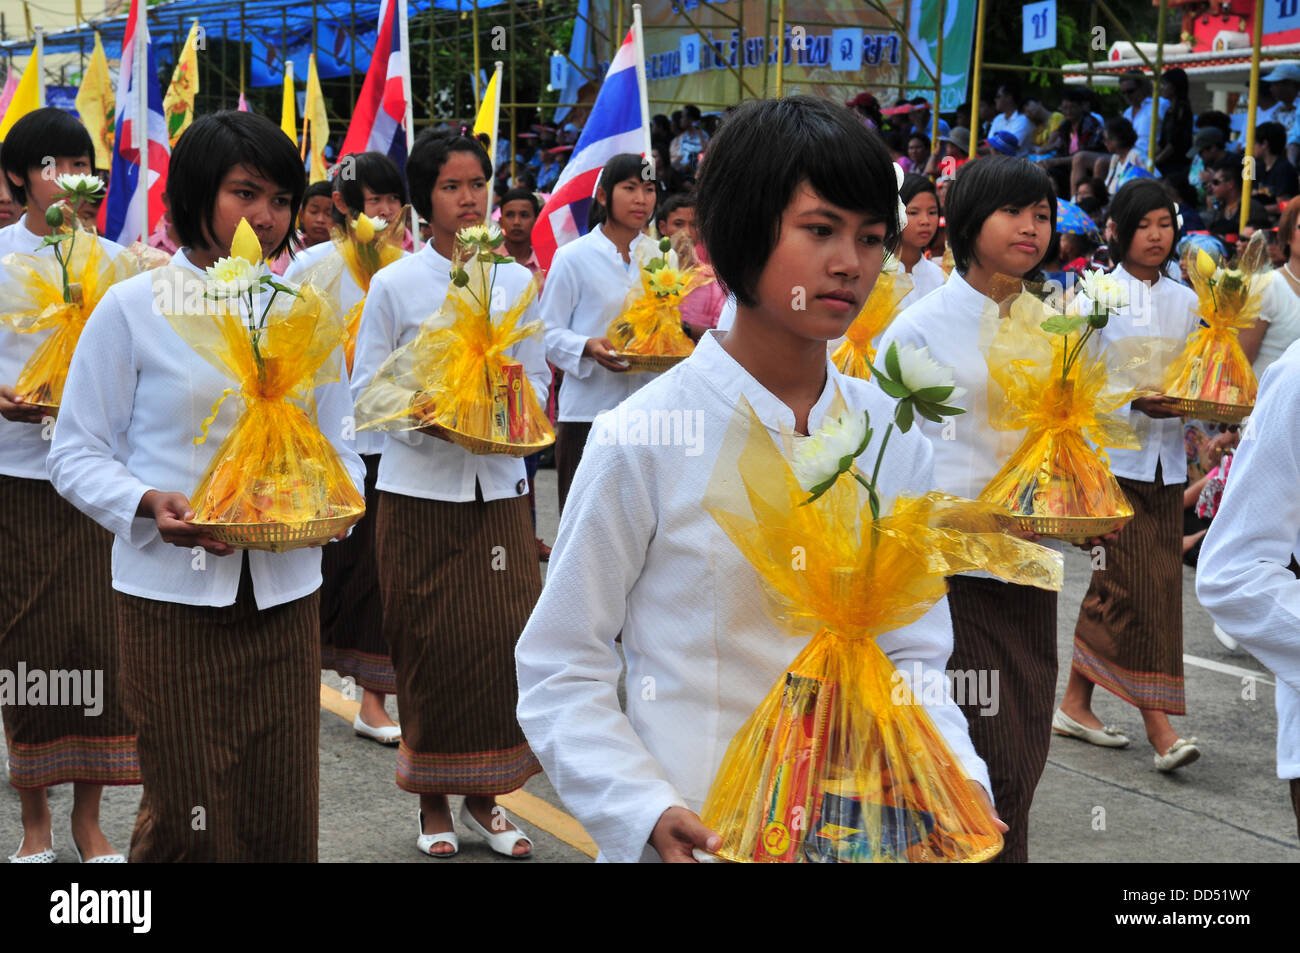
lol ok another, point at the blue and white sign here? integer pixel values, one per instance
(689, 48)
(846, 50)
(1040, 26)
(1281, 15)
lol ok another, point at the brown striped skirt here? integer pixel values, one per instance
(459, 581)
(570, 440)
(351, 613)
(1011, 631)
(56, 616)
(1129, 637)
(226, 703)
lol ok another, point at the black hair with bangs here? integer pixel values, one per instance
(620, 168)
(428, 155)
(208, 150)
(914, 185)
(46, 133)
(375, 171)
(761, 155)
(1132, 203)
(981, 188)
(671, 204)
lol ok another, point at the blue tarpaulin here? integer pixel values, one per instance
(273, 29)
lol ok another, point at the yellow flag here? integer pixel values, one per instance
(27, 98)
(486, 121)
(316, 119)
(289, 107)
(95, 105)
(178, 104)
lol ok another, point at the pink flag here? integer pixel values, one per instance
(7, 93)
(243, 104)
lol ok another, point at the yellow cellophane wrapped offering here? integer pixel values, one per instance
(33, 300)
(1058, 481)
(368, 245)
(647, 333)
(275, 482)
(840, 762)
(855, 356)
(1212, 379)
(456, 373)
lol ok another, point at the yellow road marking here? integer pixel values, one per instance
(528, 806)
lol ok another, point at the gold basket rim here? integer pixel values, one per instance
(650, 362)
(280, 537)
(1071, 528)
(1210, 409)
(483, 447)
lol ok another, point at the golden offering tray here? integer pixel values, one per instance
(281, 537)
(1210, 410)
(650, 362)
(481, 446)
(1072, 529)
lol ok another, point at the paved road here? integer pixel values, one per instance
(1092, 805)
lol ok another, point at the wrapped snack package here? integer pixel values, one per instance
(275, 482)
(855, 355)
(1058, 481)
(456, 374)
(648, 333)
(840, 762)
(1212, 379)
(34, 300)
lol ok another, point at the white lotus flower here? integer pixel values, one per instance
(232, 276)
(822, 457)
(1106, 292)
(918, 371)
(85, 186)
(485, 236)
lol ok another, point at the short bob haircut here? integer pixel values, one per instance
(761, 155)
(1134, 201)
(429, 154)
(208, 150)
(375, 171)
(1273, 135)
(620, 168)
(44, 133)
(1122, 131)
(984, 186)
(914, 185)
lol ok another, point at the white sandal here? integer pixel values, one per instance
(503, 842)
(1180, 753)
(46, 856)
(425, 842)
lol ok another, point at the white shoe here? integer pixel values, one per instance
(503, 842)
(388, 735)
(101, 859)
(1106, 737)
(46, 856)
(1180, 753)
(1228, 641)
(424, 843)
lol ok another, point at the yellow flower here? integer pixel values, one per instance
(245, 244)
(1205, 264)
(667, 281)
(366, 227)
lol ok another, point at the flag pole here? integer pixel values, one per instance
(496, 127)
(40, 65)
(408, 118)
(638, 48)
(140, 128)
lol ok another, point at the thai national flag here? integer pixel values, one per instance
(614, 126)
(379, 120)
(129, 212)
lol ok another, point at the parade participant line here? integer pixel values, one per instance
(1155, 797)
(531, 808)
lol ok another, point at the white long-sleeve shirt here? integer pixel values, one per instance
(926, 277)
(137, 396)
(637, 553)
(1242, 578)
(349, 293)
(23, 446)
(402, 296)
(585, 290)
(1165, 309)
(1280, 307)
